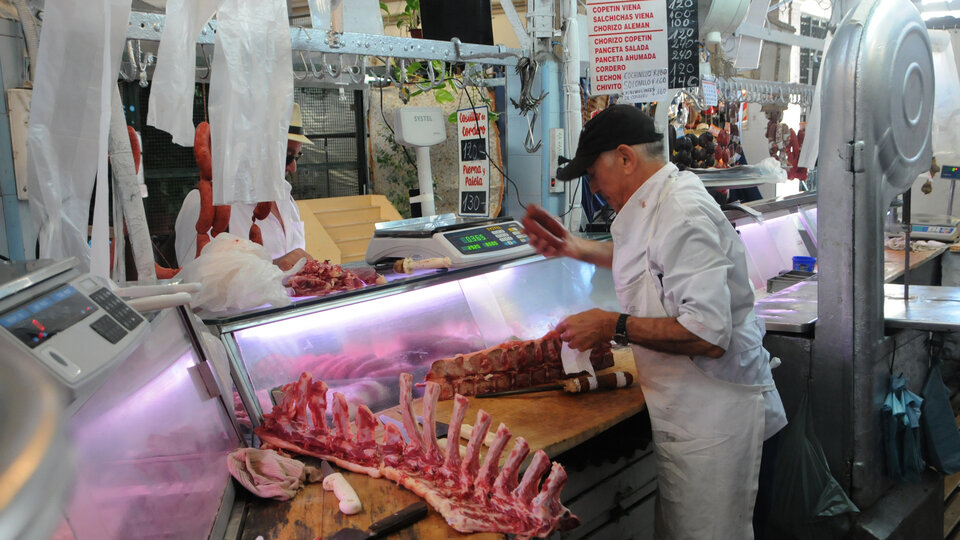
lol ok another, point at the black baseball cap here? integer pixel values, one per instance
(611, 127)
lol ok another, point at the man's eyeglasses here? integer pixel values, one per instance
(293, 157)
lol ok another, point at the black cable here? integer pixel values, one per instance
(504, 174)
(4, 257)
(402, 147)
(573, 197)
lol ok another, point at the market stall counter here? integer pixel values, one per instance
(554, 421)
(359, 342)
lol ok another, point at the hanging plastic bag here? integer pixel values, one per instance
(900, 420)
(77, 64)
(805, 492)
(940, 434)
(945, 138)
(236, 274)
(174, 78)
(251, 97)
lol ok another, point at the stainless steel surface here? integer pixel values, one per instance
(877, 87)
(19, 275)
(793, 309)
(771, 206)
(149, 26)
(928, 308)
(36, 465)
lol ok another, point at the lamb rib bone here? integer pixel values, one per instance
(471, 496)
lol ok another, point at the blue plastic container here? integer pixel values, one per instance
(804, 264)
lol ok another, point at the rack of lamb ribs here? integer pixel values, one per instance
(473, 496)
(508, 366)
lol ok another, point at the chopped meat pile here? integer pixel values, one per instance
(318, 278)
(508, 366)
(473, 495)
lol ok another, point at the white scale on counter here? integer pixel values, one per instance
(931, 227)
(67, 321)
(467, 241)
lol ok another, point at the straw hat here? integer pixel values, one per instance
(295, 132)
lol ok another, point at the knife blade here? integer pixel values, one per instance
(441, 428)
(388, 525)
(391, 420)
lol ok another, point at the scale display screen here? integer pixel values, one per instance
(486, 239)
(38, 320)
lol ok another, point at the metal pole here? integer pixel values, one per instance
(906, 245)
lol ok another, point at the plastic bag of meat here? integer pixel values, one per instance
(236, 274)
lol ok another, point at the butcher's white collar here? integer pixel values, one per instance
(645, 197)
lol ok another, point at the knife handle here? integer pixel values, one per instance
(349, 502)
(586, 383)
(398, 520)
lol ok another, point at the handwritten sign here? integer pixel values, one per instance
(628, 48)
(682, 35)
(474, 162)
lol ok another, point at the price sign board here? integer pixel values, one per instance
(628, 48)
(682, 34)
(474, 161)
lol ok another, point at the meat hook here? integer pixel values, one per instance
(528, 140)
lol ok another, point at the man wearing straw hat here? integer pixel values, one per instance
(282, 229)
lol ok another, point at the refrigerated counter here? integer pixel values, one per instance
(360, 341)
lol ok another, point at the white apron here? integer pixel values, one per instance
(707, 433)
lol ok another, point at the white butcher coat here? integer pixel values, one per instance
(277, 240)
(675, 255)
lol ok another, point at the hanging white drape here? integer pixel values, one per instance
(251, 98)
(172, 88)
(77, 65)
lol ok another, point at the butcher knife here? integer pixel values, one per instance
(390, 524)
(576, 385)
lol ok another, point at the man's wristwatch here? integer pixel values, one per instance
(620, 334)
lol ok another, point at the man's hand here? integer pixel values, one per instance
(547, 235)
(287, 261)
(588, 329)
(551, 239)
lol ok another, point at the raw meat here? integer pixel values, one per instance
(471, 496)
(508, 366)
(318, 278)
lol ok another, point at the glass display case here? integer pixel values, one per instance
(151, 445)
(360, 343)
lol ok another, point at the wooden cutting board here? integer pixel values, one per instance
(553, 421)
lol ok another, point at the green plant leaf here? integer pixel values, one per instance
(442, 95)
(383, 7)
(452, 118)
(414, 67)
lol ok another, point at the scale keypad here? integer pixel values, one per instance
(109, 329)
(120, 311)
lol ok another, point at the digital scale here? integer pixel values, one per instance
(466, 241)
(67, 321)
(931, 227)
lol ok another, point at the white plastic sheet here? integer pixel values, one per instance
(251, 98)
(171, 93)
(77, 65)
(946, 103)
(361, 16)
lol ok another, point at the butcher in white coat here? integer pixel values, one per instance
(687, 303)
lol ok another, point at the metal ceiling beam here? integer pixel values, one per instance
(149, 26)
